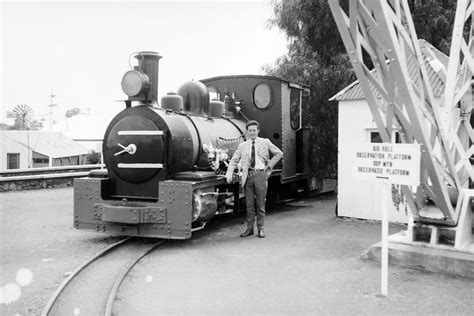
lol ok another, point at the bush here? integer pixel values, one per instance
(93, 158)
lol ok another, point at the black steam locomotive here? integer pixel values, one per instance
(163, 160)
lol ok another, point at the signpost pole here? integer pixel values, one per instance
(384, 259)
(388, 164)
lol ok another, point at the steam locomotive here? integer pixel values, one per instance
(159, 181)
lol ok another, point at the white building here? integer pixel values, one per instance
(32, 149)
(86, 129)
(361, 199)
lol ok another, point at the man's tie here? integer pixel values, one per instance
(252, 161)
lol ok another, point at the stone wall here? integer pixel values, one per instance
(27, 181)
(17, 185)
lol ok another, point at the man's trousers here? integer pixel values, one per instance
(255, 193)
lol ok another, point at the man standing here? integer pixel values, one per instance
(254, 157)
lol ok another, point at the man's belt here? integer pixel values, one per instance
(253, 172)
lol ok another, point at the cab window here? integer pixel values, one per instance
(295, 108)
(262, 96)
(214, 94)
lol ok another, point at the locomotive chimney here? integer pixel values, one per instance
(141, 83)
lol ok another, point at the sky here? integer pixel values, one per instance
(81, 49)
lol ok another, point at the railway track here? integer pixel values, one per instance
(91, 289)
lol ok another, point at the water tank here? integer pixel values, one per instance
(172, 101)
(195, 97)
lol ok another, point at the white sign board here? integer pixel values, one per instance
(386, 162)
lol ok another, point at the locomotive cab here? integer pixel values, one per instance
(278, 106)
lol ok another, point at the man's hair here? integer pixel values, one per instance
(252, 122)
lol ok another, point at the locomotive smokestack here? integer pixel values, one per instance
(141, 83)
(150, 65)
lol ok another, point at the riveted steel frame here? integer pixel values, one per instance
(402, 100)
(170, 217)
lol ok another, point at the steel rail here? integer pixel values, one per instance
(63, 285)
(121, 277)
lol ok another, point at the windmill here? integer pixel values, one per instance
(23, 116)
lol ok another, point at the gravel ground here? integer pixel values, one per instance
(37, 234)
(308, 264)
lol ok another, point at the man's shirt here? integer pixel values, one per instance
(263, 148)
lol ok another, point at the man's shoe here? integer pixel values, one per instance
(246, 233)
(261, 234)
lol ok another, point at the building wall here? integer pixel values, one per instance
(10, 146)
(26, 156)
(359, 199)
(69, 161)
(40, 160)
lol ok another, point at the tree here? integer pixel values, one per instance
(72, 112)
(4, 126)
(317, 57)
(36, 125)
(434, 20)
(93, 158)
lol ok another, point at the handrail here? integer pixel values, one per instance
(45, 176)
(46, 169)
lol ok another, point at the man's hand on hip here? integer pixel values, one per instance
(268, 171)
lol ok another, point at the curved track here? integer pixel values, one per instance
(91, 289)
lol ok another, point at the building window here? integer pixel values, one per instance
(13, 161)
(295, 108)
(40, 160)
(376, 138)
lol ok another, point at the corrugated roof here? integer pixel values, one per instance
(39, 141)
(434, 59)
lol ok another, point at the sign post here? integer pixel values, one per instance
(388, 164)
(384, 256)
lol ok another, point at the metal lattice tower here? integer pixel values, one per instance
(401, 98)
